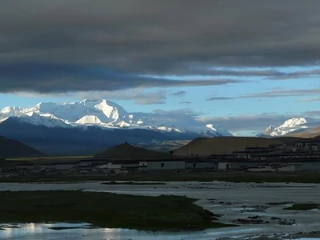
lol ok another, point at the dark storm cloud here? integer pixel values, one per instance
(48, 77)
(154, 37)
(264, 74)
(292, 75)
(276, 93)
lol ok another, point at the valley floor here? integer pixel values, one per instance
(259, 209)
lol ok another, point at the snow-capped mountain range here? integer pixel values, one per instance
(291, 126)
(107, 115)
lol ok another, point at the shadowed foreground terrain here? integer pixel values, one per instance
(105, 210)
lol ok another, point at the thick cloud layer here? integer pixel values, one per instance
(277, 93)
(45, 78)
(128, 38)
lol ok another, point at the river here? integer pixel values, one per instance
(232, 200)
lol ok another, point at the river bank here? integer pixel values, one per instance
(103, 209)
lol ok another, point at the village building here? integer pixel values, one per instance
(119, 167)
(302, 166)
(128, 158)
(308, 145)
(162, 164)
(262, 168)
(61, 166)
(298, 156)
(237, 165)
(279, 165)
(201, 164)
(25, 166)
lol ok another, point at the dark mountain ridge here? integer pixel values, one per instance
(81, 141)
(10, 148)
(127, 151)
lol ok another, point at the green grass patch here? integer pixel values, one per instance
(303, 206)
(105, 210)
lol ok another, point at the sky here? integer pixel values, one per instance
(242, 65)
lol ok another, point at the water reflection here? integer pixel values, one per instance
(18, 230)
(84, 231)
(58, 231)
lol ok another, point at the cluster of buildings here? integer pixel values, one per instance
(304, 155)
(91, 166)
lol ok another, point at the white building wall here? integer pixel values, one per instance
(63, 166)
(262, 169)
(232, 165)
(112, 166)
(165, 165)
(223, 165)
(130, 165)
(200, 165)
